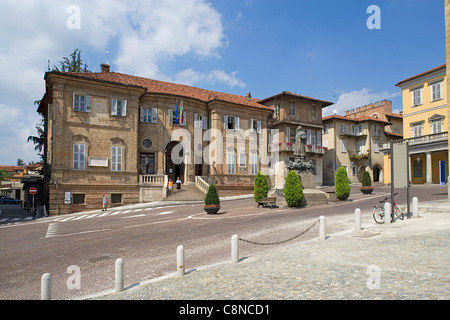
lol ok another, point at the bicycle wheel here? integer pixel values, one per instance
(378, 214)
(398, 212)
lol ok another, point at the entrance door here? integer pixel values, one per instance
(376, 174)
(147, 163)
(174, 169)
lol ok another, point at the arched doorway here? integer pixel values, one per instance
(174, 167)
(376, 173)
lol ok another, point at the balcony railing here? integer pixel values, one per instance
(436, 137)
(152, 180)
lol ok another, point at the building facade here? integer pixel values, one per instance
(354, 141)
(125, 136)
(425, 125)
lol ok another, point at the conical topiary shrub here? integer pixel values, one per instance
(293, 191)
(366, 183)
(212, 202)
(341, 184)
(260, 189)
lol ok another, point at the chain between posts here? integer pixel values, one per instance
(280, 242)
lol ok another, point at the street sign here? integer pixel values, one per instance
(33, 190)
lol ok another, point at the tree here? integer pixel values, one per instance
(293, 191)
(73, 65)
(4, 174)
(212, 197)
(341, 184)
(20, 162)
(366, 181)
(260, 188)
(39, 140)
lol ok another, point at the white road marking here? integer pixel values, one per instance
(163, 213)
(135, 216)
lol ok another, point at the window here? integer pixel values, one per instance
(288, 134)
(82, 103)
(417, 97)
(375, 130)
(242, 159)
(313, 138)
(116, 158)
(254, 164)
(360, 147)
(343, 128)
(292, 108)
(277, 109)
(314, 112)
(147, 163)
(79, 157)
(325, 129)
(231, 123)
(360, 129)
(255, 125)
(231, 163)
(116, 198)
(78, 198)
(376, 146)
(177, 118)
(354, 168)
(353, 129)
(343, 146)
(200, 122)
(436, 91)
(149, 115)
(437, 126)
(417, 130)
(417, 168)
(119, 108)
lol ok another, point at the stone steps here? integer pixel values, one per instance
(186, 193)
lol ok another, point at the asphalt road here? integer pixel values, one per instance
(147, 239)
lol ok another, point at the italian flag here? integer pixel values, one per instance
(181, 112)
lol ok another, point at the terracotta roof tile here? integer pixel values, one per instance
(156, 86)
(360, 119)
(325, 103)
(422, 74)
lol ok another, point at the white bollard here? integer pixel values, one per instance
(46, 286)
(415, 207)
(180, 261)
(235, 249)
(322, 233)
(119, 279)
(357, 219)
(387, 213)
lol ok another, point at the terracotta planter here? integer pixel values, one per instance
(366, 190)
(212, 209)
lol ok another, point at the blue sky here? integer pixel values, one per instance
(319, 48)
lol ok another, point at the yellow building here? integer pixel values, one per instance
(425, 125)
(447, 43)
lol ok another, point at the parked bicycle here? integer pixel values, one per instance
(378, 211)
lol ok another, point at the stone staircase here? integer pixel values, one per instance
(187, 192)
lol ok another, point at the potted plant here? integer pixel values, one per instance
(341, 184)
(366, 183)
(212, 202)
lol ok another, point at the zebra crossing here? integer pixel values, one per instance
(77, 217)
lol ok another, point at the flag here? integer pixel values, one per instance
(181, 112)
(176, 113)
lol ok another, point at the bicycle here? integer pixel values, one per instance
(378, 211)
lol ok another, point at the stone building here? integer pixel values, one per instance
(125, 136)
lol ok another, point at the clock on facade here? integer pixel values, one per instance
(147, 143)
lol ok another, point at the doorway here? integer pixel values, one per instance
(376, 173)
(174, 167)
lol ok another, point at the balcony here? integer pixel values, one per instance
(152, 180)
(431, 139)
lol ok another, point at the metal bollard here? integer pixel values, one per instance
(357, 219)
(235, 249)
(387, 213)
(46, 286)
(415, 207)
(322, 233)
(119, 279)
(180, 261)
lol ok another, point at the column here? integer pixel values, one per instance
(429, 170)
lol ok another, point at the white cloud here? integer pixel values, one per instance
(192, 77)
(355, 99)
(223, 77)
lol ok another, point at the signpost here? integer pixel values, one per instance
(33, 191)
(400, 172)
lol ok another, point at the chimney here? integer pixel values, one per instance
(249, 96)
(105, 67)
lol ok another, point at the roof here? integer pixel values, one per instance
(324, 103)
(360, 119)
(422, 74)
(162, 87)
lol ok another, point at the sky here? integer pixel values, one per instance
(333, 50)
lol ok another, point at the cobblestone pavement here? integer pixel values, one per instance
(407, 259)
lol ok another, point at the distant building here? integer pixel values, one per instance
(354, 141)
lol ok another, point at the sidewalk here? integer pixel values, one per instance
(407, 259)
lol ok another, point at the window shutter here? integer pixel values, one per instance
(88, 103)
(308, 137)
(114, 107)
(154, 115)
(288, 134)
(319, 138)
(141, 116)
(225, 121)
(251, 125)
(184, 118)
(124, 108)
(236, 123)
(170, 117)
(258, 127)
(205, 122)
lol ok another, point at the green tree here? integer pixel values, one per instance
(4, 174)
(38, 140)
(341, 184)
(260, 188)
(75, 64)
(212, 197)
(293, 191)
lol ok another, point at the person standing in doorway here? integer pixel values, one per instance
(104, 203)
(178, 182)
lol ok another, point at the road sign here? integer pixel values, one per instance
(33, 190)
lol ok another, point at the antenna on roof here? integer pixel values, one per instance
(107, 53)
(48, 65)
